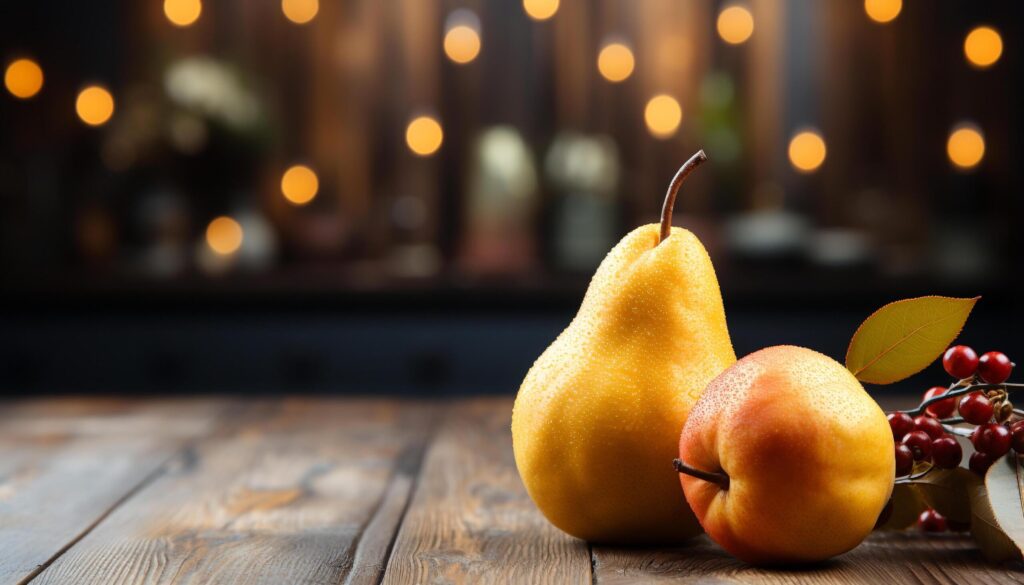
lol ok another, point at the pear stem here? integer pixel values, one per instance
(673, 189)
(719, 478)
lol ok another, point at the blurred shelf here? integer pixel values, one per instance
(750, 287)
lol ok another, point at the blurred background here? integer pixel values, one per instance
(409, 196)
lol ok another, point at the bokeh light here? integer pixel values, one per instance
(424, 135)
(965, 146)
(23, 78)
(300, 11)
(94, 105)
(883, 11)
(299, 184)
(735, 24)
(663, 115)
(540, 9)
(182, 12)
(224, 235)
(462, 44)
(807, 151)
(983, 47)
(615, 62)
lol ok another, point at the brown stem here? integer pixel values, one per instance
(720, 478)
(911, 478)
(956, 389)
(673, 189)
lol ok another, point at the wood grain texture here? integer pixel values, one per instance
(282, 500)
(887, 557)
(335, 491)
(371, 555)
(67, 462)
(471, 521)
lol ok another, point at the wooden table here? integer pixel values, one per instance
(336, 490)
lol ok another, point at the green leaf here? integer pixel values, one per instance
(902, 338)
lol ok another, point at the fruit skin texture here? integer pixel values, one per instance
(920, 444)
(901, 424)
(929, 425)
(980, 462)
(904, 460)
(942, 408)
(596, 423)
(1017, 430)
(975, 408)
(932, 521)
(960, 361)
(994, 367)
(992, 439)
(809, 456)
(946, 452)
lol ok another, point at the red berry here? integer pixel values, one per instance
(900, 423)
(992, 439)
(920, 444)
(1017, 430)
(994, 367)
(904, 460)
(942, 408)
(932, 521)
(929, 425)
(960, 362)
(975, 408)
(980, 462)
(946, 452)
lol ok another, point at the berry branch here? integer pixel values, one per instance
(911, 478)
(960, 432)
(980, 397)
(949, 393)
(956, 390)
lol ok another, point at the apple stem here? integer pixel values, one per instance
(673, 189)
(720, 478)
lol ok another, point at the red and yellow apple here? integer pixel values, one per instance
(786, 459)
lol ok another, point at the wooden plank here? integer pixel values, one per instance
(371, 556)
(67, 462)
(471, 521)
(283, 500)
(890, 557)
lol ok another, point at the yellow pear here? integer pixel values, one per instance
(596, 422)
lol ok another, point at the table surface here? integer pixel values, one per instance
(336, 490)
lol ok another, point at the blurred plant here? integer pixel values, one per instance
(186, 150)
(501, 197)
(584, 170)
(719, 127)
(213, 89)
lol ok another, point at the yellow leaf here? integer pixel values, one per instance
(902, 338)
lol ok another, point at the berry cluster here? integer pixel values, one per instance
(924, 435)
